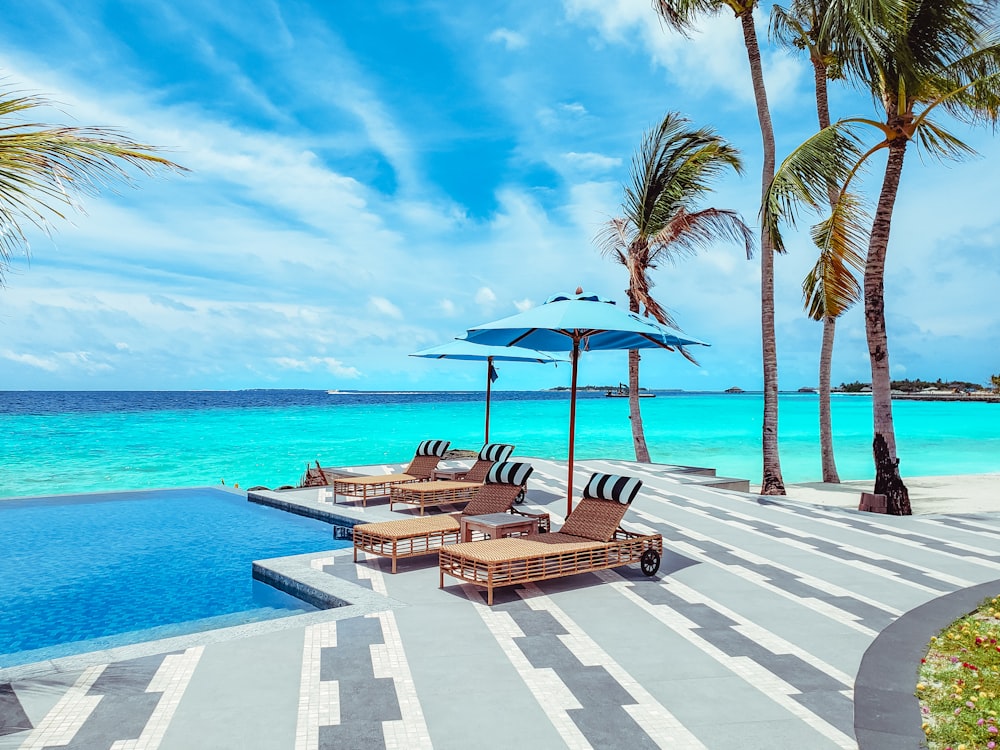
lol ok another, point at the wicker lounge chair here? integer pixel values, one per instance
(420, 536)
(425, 460)
(591, 539)
(459, 489)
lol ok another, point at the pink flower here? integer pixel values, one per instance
(991, 730)
(958, 711)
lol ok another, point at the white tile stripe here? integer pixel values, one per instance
(704, 510)
(752, 673)
(65, 719)
(771, 641)
(812, 549)
(318, 703)
(171, 679)
(831, 519)
(848, 619)
(389, 660)
(318, 563)
(663, 727)
(551, 693)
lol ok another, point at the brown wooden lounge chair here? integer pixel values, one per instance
(420, 536)
(425, 460)
(591, 539)
(459, 489)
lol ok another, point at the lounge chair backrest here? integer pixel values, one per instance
(433, 448)
(427, 457)
(492, 453)
(503, 484)
(599, 514)
(509, 473)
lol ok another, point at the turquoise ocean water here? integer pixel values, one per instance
(54, 443)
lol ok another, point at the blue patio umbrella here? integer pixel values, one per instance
(574, 323)
(462, 349)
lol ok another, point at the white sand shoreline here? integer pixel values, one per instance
(963, 493)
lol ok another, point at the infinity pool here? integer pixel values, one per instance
(86, 572)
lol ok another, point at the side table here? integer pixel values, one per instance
(496, 525)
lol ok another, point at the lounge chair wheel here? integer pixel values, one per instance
(520, 497)
(650, 562)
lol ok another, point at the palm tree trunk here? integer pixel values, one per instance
(829, 463)
(638, 435)
(825, 419)
(771, 481)
(634, 415)
(887, 479)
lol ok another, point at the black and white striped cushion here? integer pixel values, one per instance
(496, 452)
(509, 473)
(612, 487)
(433, 447)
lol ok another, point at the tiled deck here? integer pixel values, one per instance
(751, 636)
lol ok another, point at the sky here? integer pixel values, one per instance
(372, 177)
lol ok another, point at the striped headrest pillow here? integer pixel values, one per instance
(496, 452)
(433, 447)
(509, 473)
(612, 487)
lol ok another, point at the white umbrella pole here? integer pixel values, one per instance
(572, 426)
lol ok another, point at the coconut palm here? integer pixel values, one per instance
(680, 15)
(45, 168)
(830, 288)
(918, 58)
(661, 221)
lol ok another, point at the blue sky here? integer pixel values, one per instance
(369, 178)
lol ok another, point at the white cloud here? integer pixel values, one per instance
(485, 297)
(384, 306)
(447, 308)
(510, 39)
(591, 161)
(309, 364)
(31, 360)
(121, 346)
(523, 305)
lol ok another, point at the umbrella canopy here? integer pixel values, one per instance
(466, 350)
(575, 322)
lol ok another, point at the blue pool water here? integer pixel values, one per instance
(80, 573)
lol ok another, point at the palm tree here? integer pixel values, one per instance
(46, 167)
(830, 288)
(680, 15)
(671, 175)
(918, 58)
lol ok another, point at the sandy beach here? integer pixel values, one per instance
(969, 493)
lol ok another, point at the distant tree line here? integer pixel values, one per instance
(914, 386)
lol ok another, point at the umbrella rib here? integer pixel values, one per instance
(658, 343)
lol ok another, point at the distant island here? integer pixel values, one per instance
(594, 388)
(734, 389)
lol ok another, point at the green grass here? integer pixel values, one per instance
(959, 683)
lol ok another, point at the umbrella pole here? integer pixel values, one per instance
(572, 426)
(489, 383)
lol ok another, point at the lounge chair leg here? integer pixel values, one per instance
(394, 564)
(355, 553)
(440, 578)
(489, 596)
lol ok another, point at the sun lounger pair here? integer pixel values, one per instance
(420, 536)
(420, 469)
(459, 489)
(591, 539)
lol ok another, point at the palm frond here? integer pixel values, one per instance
(680, 15)
(43, 168)
(825, 160)
(831, 287)
(687, 233)
(941, 144)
